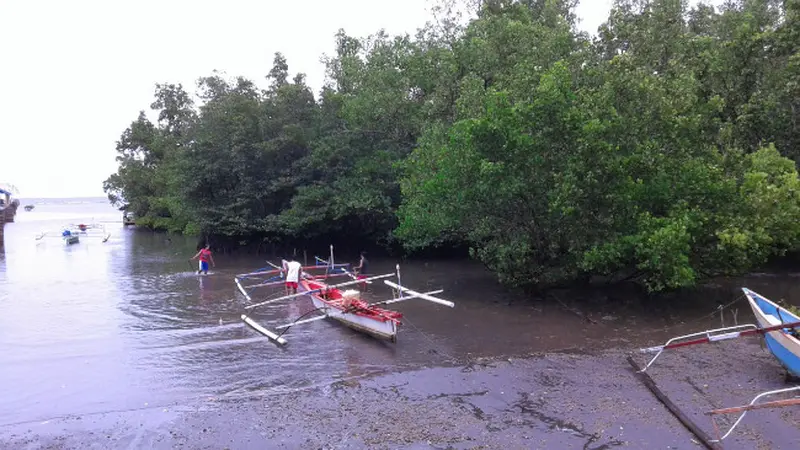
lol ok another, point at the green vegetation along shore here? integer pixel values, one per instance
(664, 149)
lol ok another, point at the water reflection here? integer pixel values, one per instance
(60, 329)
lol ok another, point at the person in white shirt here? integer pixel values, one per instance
(292, 269)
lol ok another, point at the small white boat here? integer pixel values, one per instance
(70, 238)
(71, 234)
(347, 307)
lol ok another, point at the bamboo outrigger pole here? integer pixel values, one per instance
(704, 438)
(719, 334)
(752, 406)
(772, 404)
(301, 294)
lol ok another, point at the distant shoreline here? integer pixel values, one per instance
(61, 199)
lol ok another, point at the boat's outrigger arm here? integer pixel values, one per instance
(58, 234)
(300, 322)
(332, 268)
(718, 334)
(402, 299)
(277, 338)
(301, 294)
(752, 405)
(414, 294)
(715, 335)
(423, 295)
(259, 273)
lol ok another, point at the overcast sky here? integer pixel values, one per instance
(74, 74)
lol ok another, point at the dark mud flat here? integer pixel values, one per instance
(550, 401)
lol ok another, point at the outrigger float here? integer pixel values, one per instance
(72, 233)
(331, 302)
(776, 324)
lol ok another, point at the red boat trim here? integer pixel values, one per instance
(369, 312)
(704, 340)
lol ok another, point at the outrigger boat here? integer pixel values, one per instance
(332, 302)
(72, 233)
(776, 324)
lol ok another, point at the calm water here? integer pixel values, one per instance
(126, 324)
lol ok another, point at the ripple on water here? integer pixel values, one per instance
(98, 328)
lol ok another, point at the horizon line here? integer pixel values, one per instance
(73, 196)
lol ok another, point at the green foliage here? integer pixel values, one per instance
(659, 151)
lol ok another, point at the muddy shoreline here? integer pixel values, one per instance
(550, 400)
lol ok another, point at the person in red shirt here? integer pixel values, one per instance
(204, 255)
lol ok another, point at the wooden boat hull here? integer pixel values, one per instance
(381, 330)
(784, 346)
(381, 324)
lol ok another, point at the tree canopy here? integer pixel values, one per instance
(664, 149)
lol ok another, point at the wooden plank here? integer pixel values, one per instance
(704, 438)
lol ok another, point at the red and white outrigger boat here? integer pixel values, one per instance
(346, 306)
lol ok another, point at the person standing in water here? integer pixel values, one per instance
(292, 269)
(204, 255)
(362, 270)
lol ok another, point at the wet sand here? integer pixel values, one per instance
(552, 400)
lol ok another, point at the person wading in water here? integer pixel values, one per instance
(362, 270)
(204, 255)
(292, 269)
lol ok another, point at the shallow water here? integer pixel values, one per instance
(127, 324)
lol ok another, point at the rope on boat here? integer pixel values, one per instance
(433, 343)
(720, 309)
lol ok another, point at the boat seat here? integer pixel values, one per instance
(772, 319)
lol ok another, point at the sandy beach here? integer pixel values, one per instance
(545, 401)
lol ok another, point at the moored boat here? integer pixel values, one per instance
(776, 324)
(70, 238)
(783, 343)
(331, 302)
(71, 234)
(347, 307)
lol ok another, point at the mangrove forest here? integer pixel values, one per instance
(663, 148)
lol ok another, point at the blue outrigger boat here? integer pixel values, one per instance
(782, 342)
(780, 329)
(71, 234)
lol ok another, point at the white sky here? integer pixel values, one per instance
(74, 74)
